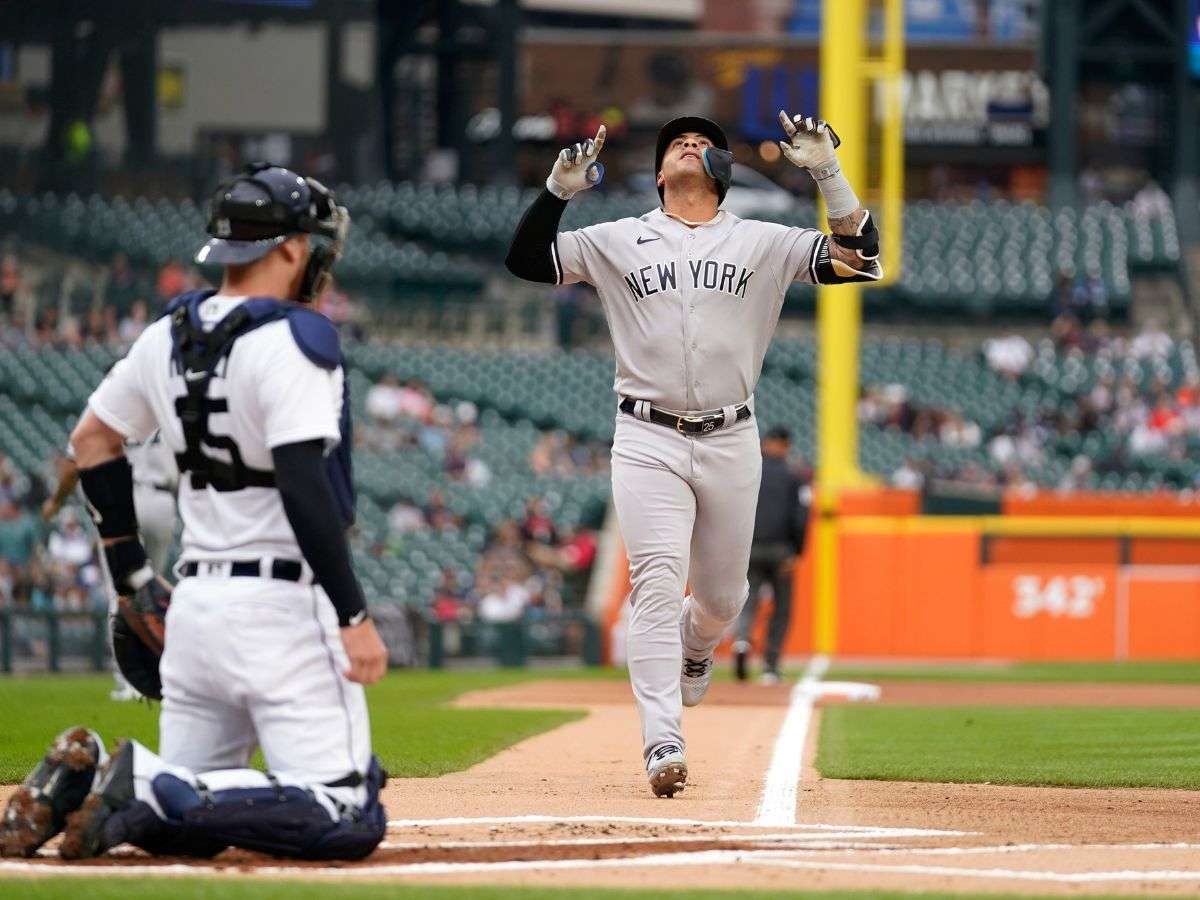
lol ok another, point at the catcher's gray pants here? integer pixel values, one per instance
(686, 507)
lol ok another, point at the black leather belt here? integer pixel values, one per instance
(281, 569)
(701, 424)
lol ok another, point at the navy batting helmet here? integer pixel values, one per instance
(710, 130)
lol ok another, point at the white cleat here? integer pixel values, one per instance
(694, 678)
(667, 770)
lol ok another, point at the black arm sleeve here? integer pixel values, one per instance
(312, 511)
(531, 253)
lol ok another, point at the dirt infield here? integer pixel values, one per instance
(571, 807)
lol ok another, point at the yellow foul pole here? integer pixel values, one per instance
(847, 70)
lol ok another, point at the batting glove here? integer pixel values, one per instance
(576, 168)
(812, 143)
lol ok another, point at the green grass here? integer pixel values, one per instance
(52, 888)
(413, 731)
(1152, 672)
(1074, 746)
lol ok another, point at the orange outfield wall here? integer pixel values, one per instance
(911, 587)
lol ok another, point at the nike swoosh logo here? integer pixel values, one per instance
(643, 240)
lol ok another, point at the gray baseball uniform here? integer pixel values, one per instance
(691, 311)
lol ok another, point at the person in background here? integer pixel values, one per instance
(779, 526)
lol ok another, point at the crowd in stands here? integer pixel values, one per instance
(113, 305)
(45, 565)
(1143, 417)
(529, 569)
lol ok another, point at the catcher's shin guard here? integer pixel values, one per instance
(278, 820)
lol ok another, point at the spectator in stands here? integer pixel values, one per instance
(957, 431)
(577, 551)
(416, 401)
(19, 532)
(69, 545)
(910, 476)
(171, 281)
(1152, 341)
(1152, 202)
(134, 322)
(438, 514)
(8, 584)
(405, 518)
(1091, 296)
(1010, 355)
(383, 401)
(537, 527)
(505, 603)
(337, 306)
(10, 285)
(449, 608)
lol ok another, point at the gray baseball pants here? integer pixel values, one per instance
(685, 505)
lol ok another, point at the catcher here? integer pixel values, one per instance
(266, 641)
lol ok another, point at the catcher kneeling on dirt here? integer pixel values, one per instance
(265, 641)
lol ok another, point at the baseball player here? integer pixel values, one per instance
(267, 637)
(155, 480)
(692, 295)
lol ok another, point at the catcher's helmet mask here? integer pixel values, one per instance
(716, 165)
(264, 205)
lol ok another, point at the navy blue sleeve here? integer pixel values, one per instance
(314, 514)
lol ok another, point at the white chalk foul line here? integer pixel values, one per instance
(768, 858)
(762, 858)
(778, 804)
(458, 821)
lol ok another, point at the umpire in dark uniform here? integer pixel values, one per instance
(779, 528)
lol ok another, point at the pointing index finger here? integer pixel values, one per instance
(598, 141)
(789, 127)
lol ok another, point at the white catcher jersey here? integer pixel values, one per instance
(276, 396)
(691, 310)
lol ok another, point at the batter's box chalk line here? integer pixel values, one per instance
(766, 858)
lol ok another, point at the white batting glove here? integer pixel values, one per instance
(576, 168)
(812, 143)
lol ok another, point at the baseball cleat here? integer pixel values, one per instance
(86, 835)
(54, 789)
(694, 679)
(667, 770)
(741, 654)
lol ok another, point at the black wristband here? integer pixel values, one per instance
(109, 491)
(128, 565)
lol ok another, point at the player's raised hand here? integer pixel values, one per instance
(576, 168)
(811, 143)
(366, 652)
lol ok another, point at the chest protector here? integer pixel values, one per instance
(197, 354)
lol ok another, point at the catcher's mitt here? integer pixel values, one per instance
(139, 630)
